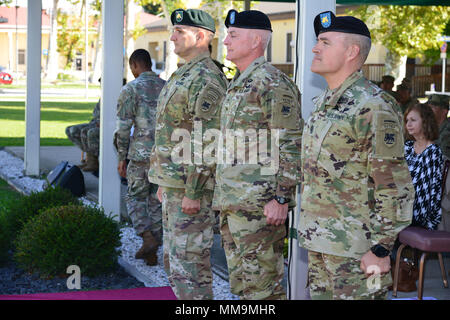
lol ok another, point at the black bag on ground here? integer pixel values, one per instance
(69, 177)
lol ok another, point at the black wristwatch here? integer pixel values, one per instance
(282, 200)
(380, 251)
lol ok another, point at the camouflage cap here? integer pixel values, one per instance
(193, 18)
(439, 100)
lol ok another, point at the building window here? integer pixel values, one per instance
(21, 56)
(269, 51)
(288, 47)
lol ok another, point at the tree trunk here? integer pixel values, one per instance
(396, 66)
(53, 56)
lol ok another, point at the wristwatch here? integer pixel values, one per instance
(281, 200)
(380, 251)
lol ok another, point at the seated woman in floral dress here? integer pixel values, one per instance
(425, 164)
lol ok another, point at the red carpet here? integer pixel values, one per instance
(159, 293)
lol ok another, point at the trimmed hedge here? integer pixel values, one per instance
(20, 211)
(68, 235)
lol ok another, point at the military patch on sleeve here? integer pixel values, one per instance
(284, 111)
(388, 136)
(208, 100)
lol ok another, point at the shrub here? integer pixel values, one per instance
(69, 235)
(7, 197)
(20, 211)
(5, 237)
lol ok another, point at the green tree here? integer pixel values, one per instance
(52, 57)
(152, 8)
(406, 31)
(70, 37)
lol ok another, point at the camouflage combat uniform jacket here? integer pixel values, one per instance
(191, 98)
(262, 102)
(96, 114)
(356, 186)
(137, 106)
(444, 138)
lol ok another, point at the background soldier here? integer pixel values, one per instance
(404, 95)
(387, 84)
(78, 135)
(191, 98)
(254, 202)
(137, 107)
(357, 193)
(439, 103)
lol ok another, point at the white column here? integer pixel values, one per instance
(310, 85)
(112, 71)
(33, 99)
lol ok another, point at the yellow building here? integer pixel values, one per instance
(13, 38)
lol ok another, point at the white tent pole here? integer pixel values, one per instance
(33, 90)
(112, 74)
(310, 85)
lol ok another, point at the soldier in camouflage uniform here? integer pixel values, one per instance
(404, 96)
(254, 195)
(439, 103)
(137, 107)
(78, 135)
(191, 99)
(357, 193)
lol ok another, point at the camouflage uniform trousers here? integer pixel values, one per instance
(187, 245)
(90, 138)
(332, 277)
(254, 251)
(74, 134)
(143, 206)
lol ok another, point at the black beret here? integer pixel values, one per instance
(193, 18)
(250, 19)
(327, 21)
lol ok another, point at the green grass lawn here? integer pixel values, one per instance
(55, 117)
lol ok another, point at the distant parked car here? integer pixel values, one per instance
(5, 77)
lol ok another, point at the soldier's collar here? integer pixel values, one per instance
(240, 77)
(337, 93)
(147, 73)
(194, 61)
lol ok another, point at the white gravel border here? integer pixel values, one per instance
(11, 170)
